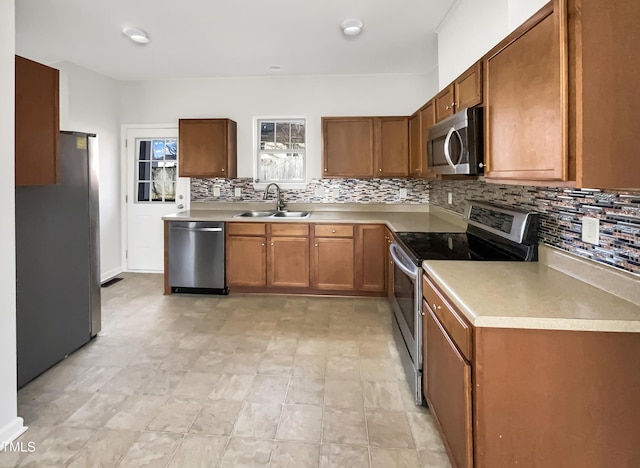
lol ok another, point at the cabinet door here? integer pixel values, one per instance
(37, 124)
(392, 147)
(427, 120)
(207, 148)
(525, 106)
(468, 88)
(449, 392)
(444, 102)
(332, 263)
(288, 262)
(415, 154)
(348, 145)
(246, 261)
(389, 262)
(370, 258)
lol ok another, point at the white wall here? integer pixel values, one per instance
(521, 10)
(241, 99)
(89, 103)
(10, 425)
(472, 28)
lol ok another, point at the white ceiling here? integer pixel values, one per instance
(213, 38)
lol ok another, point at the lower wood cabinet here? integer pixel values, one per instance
(246, 261)
(371, 255)
(307, 258)
(449, 391)
(388, 238)
(333, 259)
(540, 398)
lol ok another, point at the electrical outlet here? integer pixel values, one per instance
(591, 230)
(319, 192)
(216, 191)
(450, 198)
(238, 192)
(336, 192)
(402, 193)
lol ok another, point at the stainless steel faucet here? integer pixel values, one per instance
(280, 204)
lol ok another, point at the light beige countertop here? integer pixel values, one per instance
(531, 295)
(397, 220)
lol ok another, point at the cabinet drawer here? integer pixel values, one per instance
(333, 230)
(246, 229)
(455, 326)
(293, 229)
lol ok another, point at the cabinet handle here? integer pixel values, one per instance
(436, 307)
(447, 107)
(325, 170)
(333, 230)
(272, 243)
(422, 313)
(454, 104)
(379, 170)
(315, 245)
(262, 244)
(222, 169)
(485, 165)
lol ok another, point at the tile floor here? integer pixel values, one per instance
(243, 380)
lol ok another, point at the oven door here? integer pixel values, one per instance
(406, 301)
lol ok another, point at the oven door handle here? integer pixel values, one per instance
(393, 250)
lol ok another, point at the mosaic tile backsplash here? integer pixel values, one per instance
(385, 191)
(561, 212)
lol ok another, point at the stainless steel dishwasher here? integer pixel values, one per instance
(197, 257)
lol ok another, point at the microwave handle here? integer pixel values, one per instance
(447, 154)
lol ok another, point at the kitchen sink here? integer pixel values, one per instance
(254, 214)
(273, 214)
(291, 214)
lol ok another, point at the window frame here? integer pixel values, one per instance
(261, 185)
(136, 174)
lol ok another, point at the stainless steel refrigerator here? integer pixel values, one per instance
(57, 260)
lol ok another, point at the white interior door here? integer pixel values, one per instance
(153, 190)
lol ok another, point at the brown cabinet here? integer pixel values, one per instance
(207, 148)
(465, 91)
(560, 107)
(415, 142)
(288, 257)
(246, 256)
(530, 387)
(365, 146)
(449, 392)
(388, 238)
(371, 258)
(37, 123)
(526, 105)
(333, 258)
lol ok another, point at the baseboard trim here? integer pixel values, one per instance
(12, 431)
(107, 275)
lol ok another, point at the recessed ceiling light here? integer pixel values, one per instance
(351, 27)
(275, 68)
(136, 35)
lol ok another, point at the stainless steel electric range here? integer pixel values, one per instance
(494, 233)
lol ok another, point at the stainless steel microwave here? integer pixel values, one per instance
(455, 145)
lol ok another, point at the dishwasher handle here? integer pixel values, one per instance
(212, 229)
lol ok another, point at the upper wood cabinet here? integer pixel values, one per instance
(561, 97)
(465, 91)
(415, 138)
(391, 146)
(37, 123)
(365, 146)
(207, 148)
(526, 103)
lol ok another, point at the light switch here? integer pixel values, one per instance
(319, 192)
(591, 230)
(402, 193)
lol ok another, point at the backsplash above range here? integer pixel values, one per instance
(561, 216)
(373, 191)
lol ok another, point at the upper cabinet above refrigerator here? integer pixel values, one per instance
(37, 123)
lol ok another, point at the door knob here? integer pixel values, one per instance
(180, 206)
